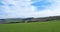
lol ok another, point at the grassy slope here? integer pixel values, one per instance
(53, 26)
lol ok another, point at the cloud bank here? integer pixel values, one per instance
(29, 8)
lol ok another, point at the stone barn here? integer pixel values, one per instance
(2, 21)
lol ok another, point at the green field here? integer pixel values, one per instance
(50, 26)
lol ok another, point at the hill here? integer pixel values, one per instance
(31, 19)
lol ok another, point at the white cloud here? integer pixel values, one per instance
(22, 8)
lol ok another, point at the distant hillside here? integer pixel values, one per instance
(43, 19)
(31, 19)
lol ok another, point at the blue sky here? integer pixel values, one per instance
(41, 5)
(29, 8)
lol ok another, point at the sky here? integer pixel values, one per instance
(29, 8)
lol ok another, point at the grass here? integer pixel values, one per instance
(52, 26)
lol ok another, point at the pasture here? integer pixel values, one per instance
(50, 26)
